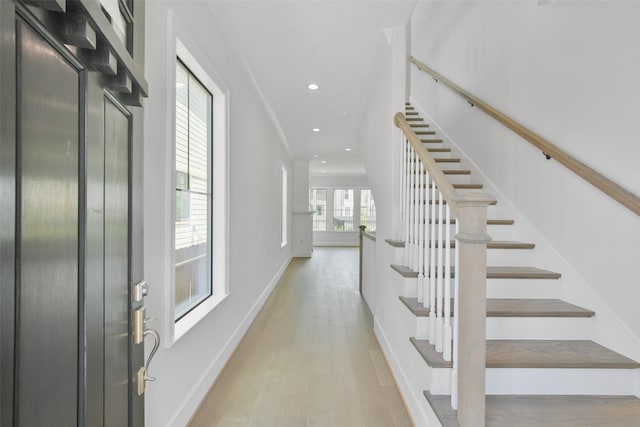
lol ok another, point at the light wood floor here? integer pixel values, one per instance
(310, 358)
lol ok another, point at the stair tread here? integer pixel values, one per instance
(554, 354)
(431, 141)
(456, 172)
(439, 150)
(501, 307)
(494, 244)
(489, 221)
(495, 272)
(547, 411)
(538, 354)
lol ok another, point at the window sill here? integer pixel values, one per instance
(182, 326)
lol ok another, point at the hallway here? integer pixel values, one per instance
(310, 358)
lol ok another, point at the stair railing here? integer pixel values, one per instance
(428, 204)
(601, 182)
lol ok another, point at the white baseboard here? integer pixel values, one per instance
(416, 404)
(192, 401)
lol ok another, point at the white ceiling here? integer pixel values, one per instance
(290, 44)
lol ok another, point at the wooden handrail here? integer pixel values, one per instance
(604, 184)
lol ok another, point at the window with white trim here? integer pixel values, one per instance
(318, 204)
(200, 192)
(283, 214)
(193, 191)
(367, 209)
(343, 209)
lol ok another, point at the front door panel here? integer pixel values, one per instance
(48, 239)
(116, 250)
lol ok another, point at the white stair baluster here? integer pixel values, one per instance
(456, 293)
(402, 185)
(447, 331)
(440, 274)
(432, 269)
(407, 181)
(412, 206)
(416, 215)
(425, 240)
(421, 208)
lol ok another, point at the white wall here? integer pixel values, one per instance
(379, 144)
(339, 238)
(186, 369)
(569, 72)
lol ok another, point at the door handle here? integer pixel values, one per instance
(156, 345)
(143, 376)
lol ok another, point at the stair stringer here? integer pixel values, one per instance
(608, 329)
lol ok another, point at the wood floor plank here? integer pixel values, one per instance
(310, 358)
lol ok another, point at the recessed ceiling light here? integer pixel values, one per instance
(315, 155)
(313, 86)
(323, 161)
(347, 149)
(324, 171)
(316, 129)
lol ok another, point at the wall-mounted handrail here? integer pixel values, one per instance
(604, 184)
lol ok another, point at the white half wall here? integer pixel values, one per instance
(187, 368)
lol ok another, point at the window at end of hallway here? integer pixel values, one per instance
(367, 209)
(318, 204)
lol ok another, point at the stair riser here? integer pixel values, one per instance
(560, 381)
(494, 256)
(496, 288)
(522, 288)
(539, 328)
(513, 328)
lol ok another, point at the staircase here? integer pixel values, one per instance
(541, 367)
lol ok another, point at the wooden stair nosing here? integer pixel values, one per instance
(494, 272)
(425, 132)
(431, 141)
(538, 354)
(546, 410)
(456, 186)
(456, 172)
(464, 186)
(437, 202)
(395, 243)
(505, 307)
(429, 354)
(439, 150)
(489, 221)
(494, 244)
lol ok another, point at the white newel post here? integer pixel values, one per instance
(472, 240)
